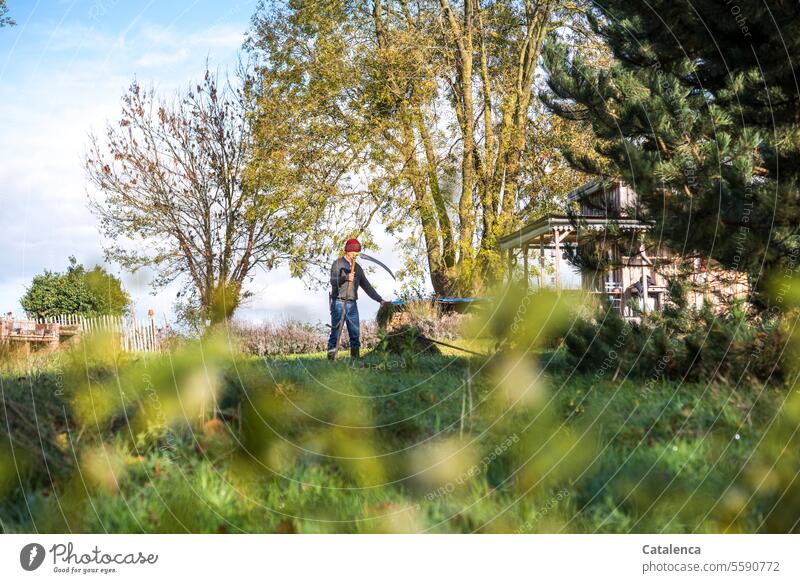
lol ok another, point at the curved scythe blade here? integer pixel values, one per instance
(368, 258)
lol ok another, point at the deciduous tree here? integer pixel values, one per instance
(179, 194)
(434, 101)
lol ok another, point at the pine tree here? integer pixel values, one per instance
(699, 112)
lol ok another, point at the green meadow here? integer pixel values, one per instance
(207, 440)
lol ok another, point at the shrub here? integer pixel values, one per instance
(292, 337)
(679, 343)
(427, 317)
(77, 291)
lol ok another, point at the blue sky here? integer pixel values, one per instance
(63, 69)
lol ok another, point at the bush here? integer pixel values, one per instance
(427, 317)
(293, 337)
(35, 422)
(77, 291)
(680, 344)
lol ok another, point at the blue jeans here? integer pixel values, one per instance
(351, 319)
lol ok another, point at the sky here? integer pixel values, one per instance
(63, 69)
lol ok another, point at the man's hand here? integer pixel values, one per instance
(350, 276)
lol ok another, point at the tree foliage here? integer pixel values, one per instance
(430, 107)
(80, 291)
(698, 111)
(5, 20)
(180, 194)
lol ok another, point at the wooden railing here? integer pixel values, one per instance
(132, 334)
(63, 320)
(29, 332)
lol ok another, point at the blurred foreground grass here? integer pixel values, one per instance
(207, 440)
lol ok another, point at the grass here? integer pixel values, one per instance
(206, 441)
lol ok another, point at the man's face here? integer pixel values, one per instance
(350, 256)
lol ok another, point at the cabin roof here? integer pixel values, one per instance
(562, 222)
(584, 190)
(550, 223)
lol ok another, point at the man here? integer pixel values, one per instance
(345, 282)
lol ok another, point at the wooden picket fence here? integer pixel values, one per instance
(134, 335)
(64, 320)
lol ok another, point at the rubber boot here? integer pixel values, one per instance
(354, 353)
(330, 354)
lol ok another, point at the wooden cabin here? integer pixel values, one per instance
(631, 267)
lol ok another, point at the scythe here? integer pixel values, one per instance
(377, 262)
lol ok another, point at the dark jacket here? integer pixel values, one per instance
(339, 287)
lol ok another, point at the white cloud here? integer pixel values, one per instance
(77, 36)
(218, 36)
(163, 58)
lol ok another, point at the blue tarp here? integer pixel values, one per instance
(444, 300)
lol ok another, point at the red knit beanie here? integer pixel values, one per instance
(352, 245)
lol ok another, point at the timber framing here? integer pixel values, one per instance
(634, 278)
(565, 224)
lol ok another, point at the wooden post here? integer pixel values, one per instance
(645, 287)
(541, 261)
(56, 339)
(525, 264)
(510, 265)
(557, 236)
